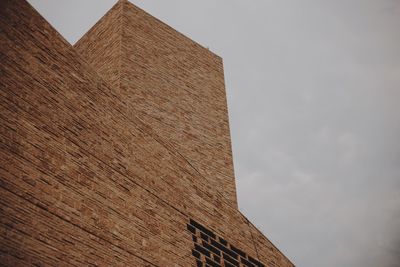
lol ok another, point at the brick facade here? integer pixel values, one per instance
(112, 149)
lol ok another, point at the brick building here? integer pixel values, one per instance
(116, 151)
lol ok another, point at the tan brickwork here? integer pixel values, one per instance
(88, 175)
(172, 84)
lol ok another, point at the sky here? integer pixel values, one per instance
(313, 94)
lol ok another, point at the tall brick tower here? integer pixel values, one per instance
(116, 152)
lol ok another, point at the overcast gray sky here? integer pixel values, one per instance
(314, 100)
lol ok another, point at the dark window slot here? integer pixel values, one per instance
(230, 259)
(238, 251)
(202, 228)
(223, 241)
(202, 250)
(246, 262)
(204, 236)
(224, 249)
(212, 263)
(211, 248)
(217, 258)
(227, 264)
(191, 229)
(256, 262)
(196, 254)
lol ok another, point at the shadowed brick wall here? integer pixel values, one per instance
(89, 176)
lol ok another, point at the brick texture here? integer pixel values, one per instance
(109, 149)
(172, 84)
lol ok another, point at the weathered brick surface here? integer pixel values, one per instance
(101, 46)
(86, 179)
(172, 84)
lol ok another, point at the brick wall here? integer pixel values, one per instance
(106, 153)
(172, 84)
